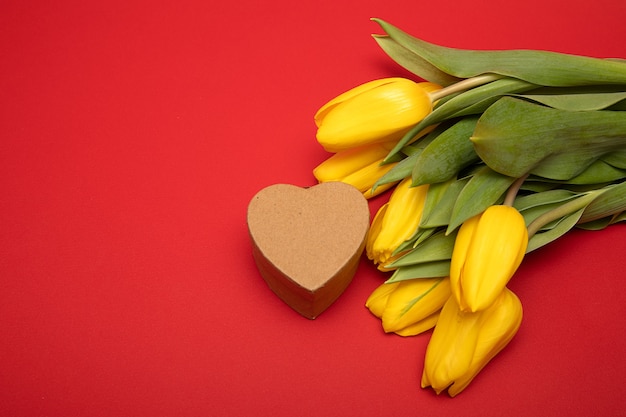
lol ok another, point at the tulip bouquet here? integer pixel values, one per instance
(488, 156)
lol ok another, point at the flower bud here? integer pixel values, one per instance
(377, 111)
(360, 167)
(464, 342)
(488, 249)
(395, 221)
(409, 307)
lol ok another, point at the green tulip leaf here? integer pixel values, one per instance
(440, 214)
(404, 168)
(541, 198)
(515, 137)
(533, 213)
(437, 247)
(473, 101)
(413, 63)
(426, 270)
(419, 236)
(597, 173)
(445, 156)
(400, 171)
(578, 101)
(619, 218)
(597, 224)
(616, 159)
(564, 225)
(436, 192)
(538, 185)
(485, 188)
(538, 67)
(611, 201)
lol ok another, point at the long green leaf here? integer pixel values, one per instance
(538, 67)
(515, 137)
(441, 214)
(610, 202)
(578, 101)
(445, 156)
(437, 247)
(473, 101)
(426, 270)
(566, 224)
(485, 188)
(404, 168)
(413, 63)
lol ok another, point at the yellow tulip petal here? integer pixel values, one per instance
(377, 301)
(365, 178)
(429, 87)
(451, 348)
(413, 301)
(400, 221)
(420, 327)
(498, 325)
(349, 161)
(381, 113)
(497, 248)
(321, 113)
(459, 253)
(374, 231)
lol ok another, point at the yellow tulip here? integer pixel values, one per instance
(360, 167)
(487, 251)
(463, 342)
(395, 221)
(377, 111)
(409, 307)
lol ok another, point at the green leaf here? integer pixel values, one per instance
(436, 192)
(441, 213)
(526, 202)
(597, 224)
(515, 137)
(412, 62)
(426, 270)
(611, 201)
(473, 101)
(616, 159)
(578, 101)
(485, 188)
(404, 168)
(437, 247)
(538, 67)
(533, 213)
(445, 156)
(537, 185)
(597, 173)
(619, 218)
(566, 224)
(399, 172)
(420, 235)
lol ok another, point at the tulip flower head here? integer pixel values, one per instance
(464, 342)
(360, 167)
(377, 111)
(410, 307)
(488, 250)
(395, 221)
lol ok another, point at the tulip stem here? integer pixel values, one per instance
(561, 211)
(513, 190)
(463, 85)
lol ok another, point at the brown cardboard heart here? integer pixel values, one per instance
(307, 242)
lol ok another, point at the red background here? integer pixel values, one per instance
(132, 137)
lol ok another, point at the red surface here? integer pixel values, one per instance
(132, 136)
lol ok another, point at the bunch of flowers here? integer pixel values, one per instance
(492, 155)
